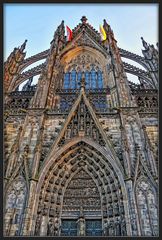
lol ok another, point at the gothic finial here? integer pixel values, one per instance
(84, 19)
(144, 43)
(23, 45)
(106, 26)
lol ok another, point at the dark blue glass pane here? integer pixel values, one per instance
(73, 79)
(79, 79)
(66, 80)
(87, 80)
(100, 82)
(93, 79)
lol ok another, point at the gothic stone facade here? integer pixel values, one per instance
(81, 146)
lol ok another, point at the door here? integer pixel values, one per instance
(69, 228)
(93, 227)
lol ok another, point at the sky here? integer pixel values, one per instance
(38, 22)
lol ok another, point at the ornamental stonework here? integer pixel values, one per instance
(81, 145)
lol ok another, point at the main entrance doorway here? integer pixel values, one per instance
(93, 227)
(81, 198)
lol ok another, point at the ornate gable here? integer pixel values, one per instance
(84, 35)
(141, 169)
(83, 122)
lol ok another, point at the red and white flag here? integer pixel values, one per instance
(69, 33)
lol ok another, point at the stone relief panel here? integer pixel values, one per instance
(82, 192)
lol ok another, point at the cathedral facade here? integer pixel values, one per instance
(81, 145)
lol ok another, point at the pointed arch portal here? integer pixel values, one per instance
(81, 180)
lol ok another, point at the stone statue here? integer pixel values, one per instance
(110, 210)
(37, 226)
(123, 227)
(81, 226)
(56, 227)
(11, 200)
(50, 228)
(81, 223)
(111, 228)
(105, 227)
(20, 199)
(134, 225)
(117, 228)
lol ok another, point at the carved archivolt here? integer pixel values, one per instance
(80, 157)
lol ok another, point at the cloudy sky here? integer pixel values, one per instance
(37, 23)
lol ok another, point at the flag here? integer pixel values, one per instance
(69, 33)
(103, 33)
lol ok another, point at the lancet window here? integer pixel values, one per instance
(93, 78)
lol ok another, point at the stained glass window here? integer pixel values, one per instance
(93, 79)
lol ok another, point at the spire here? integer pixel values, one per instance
(59, 35)
(144, 43)
(61, 28)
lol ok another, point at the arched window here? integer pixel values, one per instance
(93, 79)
